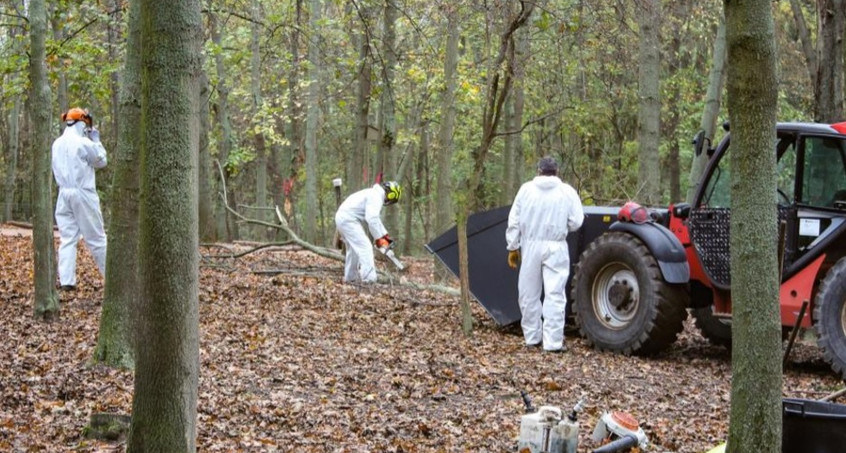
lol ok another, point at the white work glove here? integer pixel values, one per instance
(94, 135)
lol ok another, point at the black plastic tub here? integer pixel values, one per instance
(813, 426)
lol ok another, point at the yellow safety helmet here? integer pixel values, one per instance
(393, 192)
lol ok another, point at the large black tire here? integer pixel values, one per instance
(717, 331)
(621, 300)
(830, 317)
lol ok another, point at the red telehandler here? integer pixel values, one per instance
(633, 282)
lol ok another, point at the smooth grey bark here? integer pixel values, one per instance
(446, 148)
(114, 342)
(312, 119)
(227, 227)
(713, 97)
(358, 163)
(387, 120)
(46, 299)
(205, 204)
(387, 161)
(756, 384)
(649, 110)
(164, 406)
(295, 158)
(13, 150)
(62, 86)
(828, 92)
(410, 191)
(277, 164)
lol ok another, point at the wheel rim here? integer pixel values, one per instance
(615, 295)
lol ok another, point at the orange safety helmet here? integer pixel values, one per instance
(76, 114)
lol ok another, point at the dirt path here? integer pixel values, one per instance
(7, 229)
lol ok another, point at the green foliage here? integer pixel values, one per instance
(579, 79)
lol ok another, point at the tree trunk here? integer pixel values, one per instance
(12, 160)
(424, 181)
(464, 273)
(295, 113)
(808, 49)
(649, 74)
(756, 384)
(46, 300)
(828, 93)
(62, 87)
(258, 138)
(114, 40)
(227, 226)
(114, 343)
(413, 190)
(713, 97)
(205, 204)
(445, 148)
(387, 161)
(673, 118)
(359, 162)
(312, 120)
(512, 164)
(164, 406)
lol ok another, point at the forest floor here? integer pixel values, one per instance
(298, 361)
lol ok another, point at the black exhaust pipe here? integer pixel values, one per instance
(622, 444)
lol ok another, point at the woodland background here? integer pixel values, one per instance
(298, 94)
(364, 87)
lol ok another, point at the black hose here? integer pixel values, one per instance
(624, 443)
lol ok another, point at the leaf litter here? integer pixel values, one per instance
(296, 361)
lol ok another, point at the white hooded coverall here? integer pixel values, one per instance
(74, 159)
(362, 206)
(544, 211)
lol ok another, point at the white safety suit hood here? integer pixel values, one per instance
(545, 209)
(75, 157)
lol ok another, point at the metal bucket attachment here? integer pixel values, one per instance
(492, 282)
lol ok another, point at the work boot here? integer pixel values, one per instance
(556, 351)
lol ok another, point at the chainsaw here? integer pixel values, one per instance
(386, 250)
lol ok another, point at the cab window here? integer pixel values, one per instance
(824, 172)
(718, 191)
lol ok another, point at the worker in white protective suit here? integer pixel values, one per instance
(364, 207)
(544, 211)
(76, 154)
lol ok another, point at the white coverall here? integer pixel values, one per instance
(544, 211)
(362, 206)
(74, 159)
